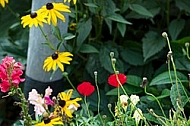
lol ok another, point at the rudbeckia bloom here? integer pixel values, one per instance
(65, 102)
(2, 2)
(34, 18)
(52, 11)
(117, 80)
(85, 88)
(50, 122)
(55, 59)
(74, 1)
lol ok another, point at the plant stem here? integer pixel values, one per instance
(156, 100)
(25, 108)
(46, 38)
(85, 102)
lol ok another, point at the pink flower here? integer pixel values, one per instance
(48, 101)
(4, 85)
(10, 72)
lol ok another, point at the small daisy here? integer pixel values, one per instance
(34, 18)
(52, 10)
(50, 122)
(65, 103)
(56, 59)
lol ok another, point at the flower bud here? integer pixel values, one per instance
(187, 44)
(111, 54)
(164, 34)
(109, 106)
(95, 73)
(65, 74)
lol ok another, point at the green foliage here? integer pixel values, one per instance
(132, 30)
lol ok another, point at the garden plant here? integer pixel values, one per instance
(125, 63)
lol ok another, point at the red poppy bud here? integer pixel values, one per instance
(85, 88)
(112, 80)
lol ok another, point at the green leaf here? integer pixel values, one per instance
(165, 93)
(164, 78)
(174, 96)
(83, 31)
(122, 28)
(132, 50)
(68, 36)
(152, 118)
(134, 80)
(183, 5)
(90, 5)
(176, 27)
(109, 24)
(87, 48)
(140, 9)
(118, 18)
(152, 44)
(93, 64)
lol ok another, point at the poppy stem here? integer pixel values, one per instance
(87, 109)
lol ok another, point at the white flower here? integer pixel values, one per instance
(124, 101)
(73, 108)
(138, 115)
(36, 100)
(48, 91)
(134, 99)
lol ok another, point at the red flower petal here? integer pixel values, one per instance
(85, 88)
(112, 80)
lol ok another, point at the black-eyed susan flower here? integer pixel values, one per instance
(57, 59)
(34, 18)
(2, 2)
(72, 26)
(50, 122)
(74, 1)
(52, 10)
(65, 102)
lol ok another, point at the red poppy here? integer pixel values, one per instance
(85, 88)
(112, 80)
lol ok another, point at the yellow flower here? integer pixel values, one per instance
(56, 59)
(74, 1)
(72, 26)
(50, 122)
(2, 2)
(65, 102)
(34, 18)
(52, 12)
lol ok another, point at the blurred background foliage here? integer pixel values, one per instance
(131, 29)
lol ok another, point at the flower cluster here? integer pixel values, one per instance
(10, 72)
(129, 104)
(63, 106)
(46, 14)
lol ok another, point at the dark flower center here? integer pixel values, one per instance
(62, 103)
(47, 120)
(54, 56)
(33, 14)
(49, 6)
